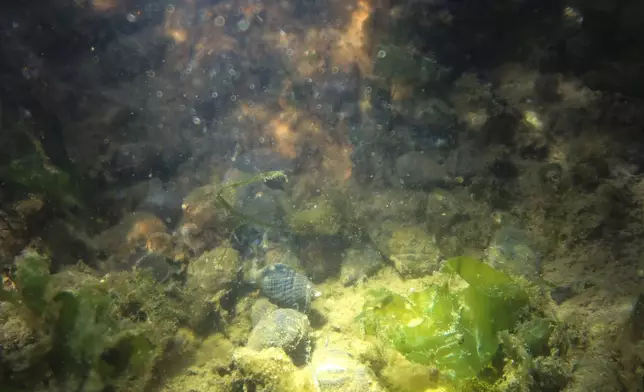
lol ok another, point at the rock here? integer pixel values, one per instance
(261, 308)
(334, 369)
(399, 204)
(214, 270)
(511, 251)
(286, 329)
(410, 248)
(442, 209)
(272, 369)
(317, 217)
(417, 169)
(360, 263)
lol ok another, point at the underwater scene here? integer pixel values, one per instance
(322, 196)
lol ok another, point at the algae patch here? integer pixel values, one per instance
(455, 331)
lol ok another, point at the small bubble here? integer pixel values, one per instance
(232, 72)
(169, 8)
(367, 90)
(233, 98)
(131, 18)
(95, 59)
(262, 140)
(196, 120)
(382, 54)
(252, 86)
(289, 52)
(220, 21)
(106, 141)
(150, 73)
(214, 94)
(335, 70)
(159, 94)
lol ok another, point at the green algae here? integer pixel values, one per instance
(105, 333)
(455, 331)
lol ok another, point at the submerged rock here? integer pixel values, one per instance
(334, 370)
(512, 251)
(411, 249)
(418, 169)
(287, 329)
(360, 263)
(214, 270)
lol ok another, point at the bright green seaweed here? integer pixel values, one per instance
(454, 331)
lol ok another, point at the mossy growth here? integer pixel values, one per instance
(318, 217)
(34, 174)
(104, 333)
(454, 330)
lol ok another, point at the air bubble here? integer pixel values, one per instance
(252, 86)
(220, 21)
(159, 94)
(367, 90)
(382, 54)
(233, 98)
(95, 59)
(131, 18)
(196, 120)
(335, 70)
(289, 52)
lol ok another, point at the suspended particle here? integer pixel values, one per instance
(95, 59)
(150, 73)
(196, 120)
(220, 21)
(382, 54)
(131, 18)
(232, 72)
(214, 94)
